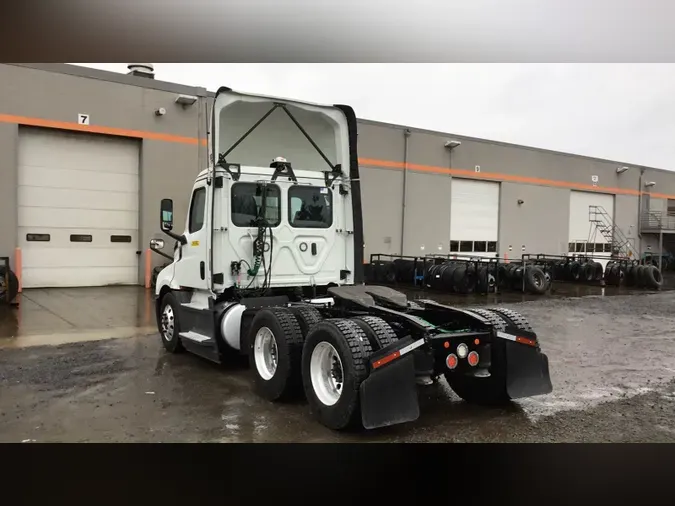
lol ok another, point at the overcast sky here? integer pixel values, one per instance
(618, 111)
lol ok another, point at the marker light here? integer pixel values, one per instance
(462, 350)
(451, 361)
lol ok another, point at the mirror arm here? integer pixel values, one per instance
(160, 252)
(180, 238)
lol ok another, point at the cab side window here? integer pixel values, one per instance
(197, 208)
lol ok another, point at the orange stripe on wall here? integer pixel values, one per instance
(98, 129)
(387, 164)
(372, 162)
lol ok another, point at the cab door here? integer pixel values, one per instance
(191, 269)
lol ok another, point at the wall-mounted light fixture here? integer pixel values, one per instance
(621, 170)
(186, 100)
(160, 112)
(649, 184)
(452, 144)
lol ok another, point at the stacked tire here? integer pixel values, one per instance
(643, 276)
(461, 277)
(532, 278)
(578, 271)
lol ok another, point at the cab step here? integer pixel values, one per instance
(196, 337)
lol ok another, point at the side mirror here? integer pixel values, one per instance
(166, 217)
(156, 244)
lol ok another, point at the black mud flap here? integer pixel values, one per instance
(527, 372)
(389, 395)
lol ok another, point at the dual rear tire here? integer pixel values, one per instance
(292, 350)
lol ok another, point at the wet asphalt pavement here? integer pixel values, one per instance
(612, 361)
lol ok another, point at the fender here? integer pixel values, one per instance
(166, 278)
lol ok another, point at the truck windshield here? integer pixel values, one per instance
(310, 207)
(246, 203)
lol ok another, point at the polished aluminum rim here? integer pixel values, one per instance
(167, 322)
(326, 373)
(265, 353)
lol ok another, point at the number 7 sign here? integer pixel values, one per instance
(83, 119)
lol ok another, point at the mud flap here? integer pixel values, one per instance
(389, 395)
(527, 371)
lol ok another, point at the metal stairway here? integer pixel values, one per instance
(602, 222)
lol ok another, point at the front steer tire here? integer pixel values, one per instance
(168, 324)
(285, 381)
(353, 349)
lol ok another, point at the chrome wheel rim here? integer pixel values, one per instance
(265, 353)
(167, 322)
(326, 373)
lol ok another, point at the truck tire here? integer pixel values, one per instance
(334, 364)
(168, 323)
(514, 318)
(275, 351)
(573, 271)
(8, 288)
(588, 272)
(447, 277)
(598, 271)
(496, 320)
(535, 280)
(652, 277)
(482, 280)
(379, 332)
(640, 276)
(307, 317)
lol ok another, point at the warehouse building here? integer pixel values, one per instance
(87, 155)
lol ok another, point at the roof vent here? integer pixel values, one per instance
(142, 70)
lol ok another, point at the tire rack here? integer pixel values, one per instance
(421, 265)
(4, 298)
(548, 262)
(492, 264)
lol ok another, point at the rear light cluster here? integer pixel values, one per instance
(462, 352)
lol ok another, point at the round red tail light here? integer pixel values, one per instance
(473, 359)
(451, 361)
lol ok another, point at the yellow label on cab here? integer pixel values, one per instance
(195, 243)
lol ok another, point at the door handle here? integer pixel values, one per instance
(314, 248)
(202, 268)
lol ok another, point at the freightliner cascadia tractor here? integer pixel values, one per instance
(270, 265)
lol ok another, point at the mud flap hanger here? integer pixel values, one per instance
(329, 176)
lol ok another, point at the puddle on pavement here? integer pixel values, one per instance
(55, 316)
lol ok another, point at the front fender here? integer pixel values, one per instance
(165, 278)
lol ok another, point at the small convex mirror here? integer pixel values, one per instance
(167, 214)
(156, 244)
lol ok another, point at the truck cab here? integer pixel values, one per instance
(298, 161)
(270, 265)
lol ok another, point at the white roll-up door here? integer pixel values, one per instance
(474, 217)
(584, 237)
(78, 209)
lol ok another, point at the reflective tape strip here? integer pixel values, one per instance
(411, 347)
(517, 339)
(398, 353)
(504, 335)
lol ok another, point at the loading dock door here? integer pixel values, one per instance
(582, 238)
(474, 217)
(77, 209)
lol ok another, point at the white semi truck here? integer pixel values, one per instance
(270, 265)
